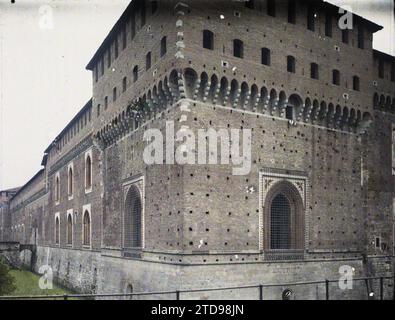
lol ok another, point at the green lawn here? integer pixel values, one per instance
(27, 285)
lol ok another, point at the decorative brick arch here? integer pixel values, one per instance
(296, 209)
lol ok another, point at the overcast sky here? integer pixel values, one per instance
(43, 81)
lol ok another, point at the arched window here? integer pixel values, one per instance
(98, 110)
(314, 71)
(57, 230)
(355, 83)
(133, 219)
(208, 40)
(361, 37)
(114, 94)
(88, 172)
(284, 218)
(163, 46)
(124, 84)
(265, 56)
(135, 73)
(238, 48)
(271, 8)
(280, 227)
(336, 77)
(105, 103)
(154, 6)
(292, 11)
(142, 13)
(71, 182)
(148, 61)
(57, 189)
(250, 4)
(328, 24)
(69, 230)
(291, 64)
(311, 18)
(381, 69)
(87, 229)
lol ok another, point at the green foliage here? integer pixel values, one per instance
(7, 282)
(27, 285)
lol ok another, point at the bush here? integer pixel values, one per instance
(7, 285)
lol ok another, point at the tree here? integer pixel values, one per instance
(6, 280)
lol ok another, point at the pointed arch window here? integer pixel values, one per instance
(57, 230)
(87, 229)
(57, 188)
(133, 219)
(69, 229)
(163, 46)
(88, 172)
(135, 74)
(70, 181)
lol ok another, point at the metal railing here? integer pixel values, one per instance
(177, 294)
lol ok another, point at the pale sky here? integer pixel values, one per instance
(43, 81)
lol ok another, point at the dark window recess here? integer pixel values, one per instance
(135, 74)
(154, 6)
(336, 77)
(393, 72)
(250, 4)
(280, 223)
(163, 46)
(291, 64)
(208, 40)
(355, 83)
(361, 38)
(292, 11)
(271, 8)
(289, 113)
(311, 18)
(381, 69)
(132, 219)
(148, 61)
(98, 110)
(105, 103)
(265, 56)
(328, 25)
(96, 73)
(114, 94)
(116, 48)
(124, 84)
(314, 71)
(238, 48)
(142, 13)
(345, 36)
(124, 41)
(133, 26)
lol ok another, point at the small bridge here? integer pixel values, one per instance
(16, 247)
(10, 251)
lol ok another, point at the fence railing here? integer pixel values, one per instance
(178, 294)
